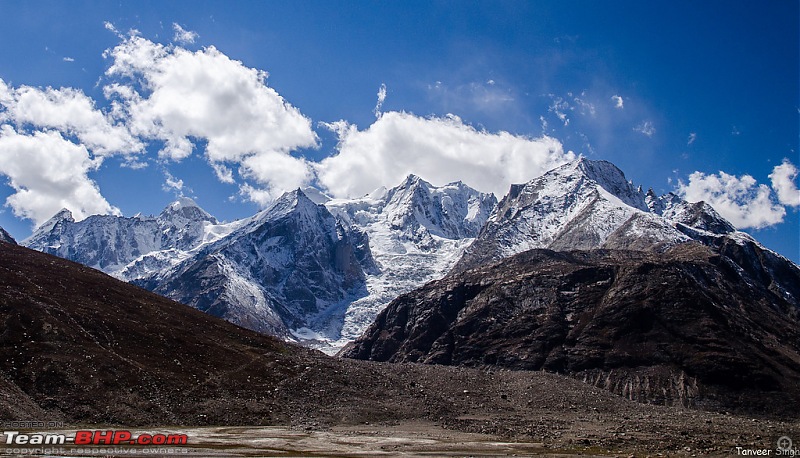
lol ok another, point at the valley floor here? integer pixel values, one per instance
(641, 431)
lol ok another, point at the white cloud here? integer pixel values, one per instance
(71, 112)
(381, 99)
(618, 101)
(692, 138)
(172, 184)
(68, 59)
(783, 182)
(486, 97)
(111, 28)
(559, 107)
(177, 96)
(277, 172)
(741, 200)
(182, 35)
(646, 127)
(441, 150)
(48, 173)
(585, 106)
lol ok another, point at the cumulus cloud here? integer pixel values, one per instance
(646, 128)
(441, 150)
(182, 35)
(69, 111)
(176, 96)
(618, 101)
(741, 200)
(783, 182)
(48, 173)
(68, 59)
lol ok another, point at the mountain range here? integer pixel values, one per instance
(318, 270)
(311, 271)
(577, 271)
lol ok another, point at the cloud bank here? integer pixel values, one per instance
(441, 150)
(783, 182)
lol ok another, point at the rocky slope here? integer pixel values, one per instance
(686, 327)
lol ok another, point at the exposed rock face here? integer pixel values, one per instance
(288, 266)
(688, 326)
(6, 237)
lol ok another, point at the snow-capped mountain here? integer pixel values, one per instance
(584, 205)
(294, 269)
(416, 232)
(130, 248)
(6, 237)
(282, 269)
(319, 270)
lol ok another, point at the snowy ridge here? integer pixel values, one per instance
(6, 237)
(134, 248)
(590, 204)
(577, 206)
(416, 232)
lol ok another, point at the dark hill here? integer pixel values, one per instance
(688, 327)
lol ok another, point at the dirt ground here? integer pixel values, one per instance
(646, 431)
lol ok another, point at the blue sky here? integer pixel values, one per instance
(699, 98)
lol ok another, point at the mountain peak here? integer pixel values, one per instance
(612, 179)
(62, 215)
(183, 202)
(412, 181)
(187, 208)
(6, 237)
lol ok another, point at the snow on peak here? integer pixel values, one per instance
(315, 195)
(186, 209)
(6, 237)
(183, 202)
(378, 194)
(63, 215)
(612, 179)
